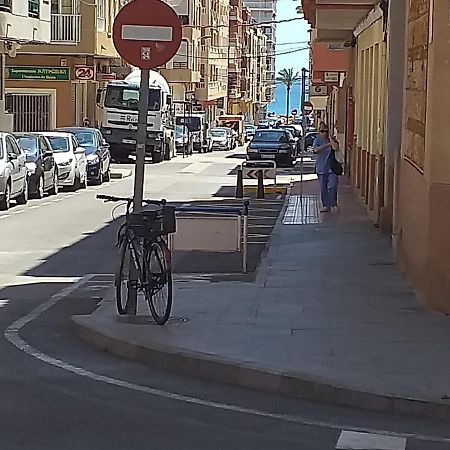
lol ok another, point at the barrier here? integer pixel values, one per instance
(212, 229)
(250, 170)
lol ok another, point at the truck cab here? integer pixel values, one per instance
(119, 105)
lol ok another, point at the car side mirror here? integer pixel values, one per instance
(79, 150)
(12, 156)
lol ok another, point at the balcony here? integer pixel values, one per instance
(5, 5)
(65, 28)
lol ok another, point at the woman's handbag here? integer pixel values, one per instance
(335, 166)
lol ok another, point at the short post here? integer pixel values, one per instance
(260, 194)
(139, 179)
(239, 183)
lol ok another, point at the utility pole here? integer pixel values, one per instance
(303, 99)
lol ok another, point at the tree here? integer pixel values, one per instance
(288, 78)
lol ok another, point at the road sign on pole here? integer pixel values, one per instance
(307, 107)
(146, 34)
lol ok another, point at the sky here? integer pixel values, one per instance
(291, 32)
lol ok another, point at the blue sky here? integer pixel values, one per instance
(291, 32)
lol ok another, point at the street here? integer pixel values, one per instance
(59, 392)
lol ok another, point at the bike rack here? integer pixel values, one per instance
(218, 212)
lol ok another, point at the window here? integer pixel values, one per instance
(5, 5)
(33, 8)
(100, 15)
(123, 97)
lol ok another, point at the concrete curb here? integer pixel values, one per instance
(244, 374)
(119, 174)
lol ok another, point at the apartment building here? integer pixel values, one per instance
(212, 90)
(55, 84)
(21, 21)
(264, 13)
(183, 71)
(399, 161)
(247, 64)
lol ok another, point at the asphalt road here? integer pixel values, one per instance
(56, 392)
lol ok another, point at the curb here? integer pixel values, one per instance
(118, 175)
(243, 374)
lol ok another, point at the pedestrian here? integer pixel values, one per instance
(324, 148)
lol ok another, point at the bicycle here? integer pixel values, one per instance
(142, 243)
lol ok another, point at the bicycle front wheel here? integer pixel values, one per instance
(122, 277)
(159, 282)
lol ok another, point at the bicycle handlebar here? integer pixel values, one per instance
(111, 198)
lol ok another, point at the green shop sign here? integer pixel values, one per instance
(38, 73)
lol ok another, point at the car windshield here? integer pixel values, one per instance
(125, 97)
(218, 133)
(270, 136)
(180, 130)
(29, 144)
(85, 138)
(59, 144)
(193, 123)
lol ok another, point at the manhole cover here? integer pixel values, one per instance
(148, 320)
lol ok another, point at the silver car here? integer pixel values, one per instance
(13, 172)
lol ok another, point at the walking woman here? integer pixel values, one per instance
(324, 148)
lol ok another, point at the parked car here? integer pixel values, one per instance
(309, 139)
(183, 140)
(97, 152)
(263, 124)
(70, 158)
(276, 144)
(42, 171)
(13, 172)
(249, 132)
(219, 139)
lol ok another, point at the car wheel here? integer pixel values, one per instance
(5, 198)
(39, 188)
(55, 188)
(107, 176)
(22, 199)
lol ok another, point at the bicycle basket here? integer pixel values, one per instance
(151, 223)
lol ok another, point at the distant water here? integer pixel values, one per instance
(279, 104)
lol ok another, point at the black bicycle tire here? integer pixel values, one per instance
(118, 278)
(160, 320)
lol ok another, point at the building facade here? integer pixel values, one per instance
(264, 13)
(60, 80)
(399, 160)
(21, 22)
(247, 65)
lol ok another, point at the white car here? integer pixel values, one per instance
(70, 158)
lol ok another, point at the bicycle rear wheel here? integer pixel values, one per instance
(122, 277)
(159, 282)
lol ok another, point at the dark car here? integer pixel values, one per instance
(42, 171)
(97, 152)
(309, 139)
(273, 144)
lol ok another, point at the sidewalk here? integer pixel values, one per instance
(329, 318)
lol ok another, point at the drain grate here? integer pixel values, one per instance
(302, 210)
(148, 320)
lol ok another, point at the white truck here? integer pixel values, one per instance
(196, 124)
(119, 107)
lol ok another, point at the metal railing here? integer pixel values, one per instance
(65, 28)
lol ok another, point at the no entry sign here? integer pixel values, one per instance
(147, 33)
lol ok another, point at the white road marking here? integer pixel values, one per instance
(196, 167)
(47, 203)
(5, 216)
(18, 212)
(34, 207)
(12, 335)
(57, 200)
(350, 440)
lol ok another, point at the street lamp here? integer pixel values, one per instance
(303, 99)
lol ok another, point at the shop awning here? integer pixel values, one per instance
(319, 102)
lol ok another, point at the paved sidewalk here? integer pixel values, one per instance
(329, 317)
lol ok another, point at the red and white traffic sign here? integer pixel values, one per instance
(147, 33)
(307, 107)
(84, 73)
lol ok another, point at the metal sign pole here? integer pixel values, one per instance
(139, 171)
(304, 131)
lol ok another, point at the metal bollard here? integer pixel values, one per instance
(260, 194)
(239, 184)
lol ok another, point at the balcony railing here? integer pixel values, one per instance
(65, 28)
(5, 5)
